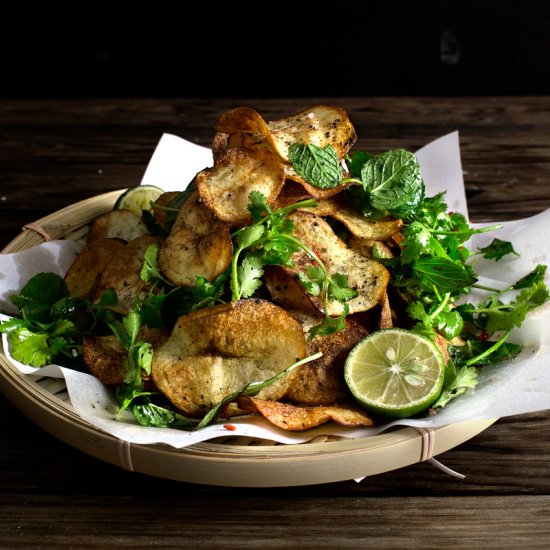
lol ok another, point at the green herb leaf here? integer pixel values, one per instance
(444, 274)
(258, 206)
(465, 378)
(152, 415)
(392, 180)
(318, 166)
(250, 274)
(30, 348)
(329, 325)
(497, 249)
(536, 276)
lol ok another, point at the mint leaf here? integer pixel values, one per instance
(444, 274)
(497, 249)
(318, 166)
(392, 180)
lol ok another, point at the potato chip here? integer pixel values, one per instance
(106, 358)
(117, 224)
(83, 275)
(198, 245)
(226, 187)
(122, 274)
(294, 418)
(320, 125)
(359, 226)
(216, 351)
(368, 277)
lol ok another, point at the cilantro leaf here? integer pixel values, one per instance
(464, 378)
(250, 273)
(257, 206)
(338, 288)
(329, 325)
(318, 166)
(30, 348)
(536, 276)
(497, 249)
(149, 414)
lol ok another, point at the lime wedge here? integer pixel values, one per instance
(395, 373)
(138, 198)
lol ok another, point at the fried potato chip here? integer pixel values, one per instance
(293, 418)
(386, 317)
(320, 382)
(106, 358)
(122, 274)
(226, 187)
(198, 245)
(364, 228)
(216, 351)
(368, 277)
(164, 200)
(117, 224)
(320, 125)
(83, 275)
(292, 193)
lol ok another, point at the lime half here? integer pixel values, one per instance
(395, 373)
(138, 198)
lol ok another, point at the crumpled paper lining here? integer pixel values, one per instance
(520, 386)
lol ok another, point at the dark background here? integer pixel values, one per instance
(273, 49)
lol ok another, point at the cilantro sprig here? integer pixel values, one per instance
(269, 240)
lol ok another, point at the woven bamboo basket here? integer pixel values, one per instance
(231, 461)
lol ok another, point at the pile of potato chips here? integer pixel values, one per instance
(214, 351)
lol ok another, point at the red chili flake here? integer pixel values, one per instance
(230, 427)
(484, 336)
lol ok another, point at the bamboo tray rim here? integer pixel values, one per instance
(231, 462)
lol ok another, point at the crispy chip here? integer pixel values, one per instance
(106, 358)
(368, 277)
(226, 187)
(82, 277)
(320, 125)
(386, 318)
(293, 418)
(122, 274)
(320, 382)
(215, 351)
(117, 224)
(360, 226)
(198, 245)
(164, 200)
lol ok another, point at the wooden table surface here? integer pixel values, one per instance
(56, 152)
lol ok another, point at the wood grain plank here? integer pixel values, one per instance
(299, 522)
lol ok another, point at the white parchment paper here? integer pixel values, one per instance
(520, 386)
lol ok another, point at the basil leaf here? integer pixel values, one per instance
(444, 274)
(393, 179)
(497, 250)
(318, 166)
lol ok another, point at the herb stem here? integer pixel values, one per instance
(488, 351)
(468, 232)
(441, 306)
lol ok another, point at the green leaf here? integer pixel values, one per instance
(329, 325)
(449, 323)
(39, 294)
(536, 276)
(248, 236)
(473, 349)
(152, 415)
(497, 249)
(338, 288)
(444, 274)
(150, 270)
(358, 160)
(318, 166)
(30, 348)
(144, 357)
(500, 316)
(312, 279)
(393, 179)
(258, 206)
(250, 274)
(466, 377)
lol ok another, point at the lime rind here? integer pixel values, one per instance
(395, 373)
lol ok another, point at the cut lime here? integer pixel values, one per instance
(138, 198)
(395, 373)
